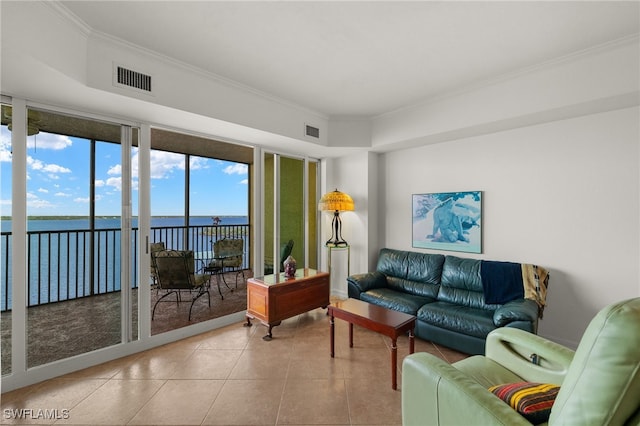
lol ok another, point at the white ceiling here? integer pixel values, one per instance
(361, 58)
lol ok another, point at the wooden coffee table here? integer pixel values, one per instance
(274, 298)
(375, 318)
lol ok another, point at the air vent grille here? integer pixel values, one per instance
(314, 132)
(133, 79)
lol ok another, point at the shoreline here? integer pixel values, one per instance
(64, 217)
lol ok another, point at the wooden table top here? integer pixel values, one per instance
(372, 312)
(278, 279)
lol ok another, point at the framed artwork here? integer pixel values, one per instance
(448, 221)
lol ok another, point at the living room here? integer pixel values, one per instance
(551, 143)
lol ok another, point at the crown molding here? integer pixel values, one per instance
(549, 64)
(77, 23)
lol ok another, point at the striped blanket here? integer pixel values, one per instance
(506, 281)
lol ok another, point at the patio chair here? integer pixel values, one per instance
(153, 249)
(175, 269)
(227, 257)
(285, 251)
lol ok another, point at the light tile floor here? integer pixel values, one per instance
(230, 376)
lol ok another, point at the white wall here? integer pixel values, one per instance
(353, 175)
(564, 195)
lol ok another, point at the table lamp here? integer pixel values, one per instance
(336, 202)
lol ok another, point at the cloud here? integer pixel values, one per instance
(196, 163)
(5, 146)
(5, 155)
(244, 182)
(40, 141)
(43, 190)
(86, 199)
(237, 169)
(115, 182)
(115, 170)
(39, 204)
(54, 168)
(51, 169)
(164, 163)
(99, 183)
(62, 194)
(35, 202)
(48, 141)
(34, 164)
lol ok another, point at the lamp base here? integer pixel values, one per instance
(336, 236)
(336, 243)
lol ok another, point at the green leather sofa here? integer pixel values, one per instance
(446, 295)
(599, 382)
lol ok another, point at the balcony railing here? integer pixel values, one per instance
(61, 265)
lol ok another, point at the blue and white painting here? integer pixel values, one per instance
(448, 221)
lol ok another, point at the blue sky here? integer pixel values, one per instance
(58, 180)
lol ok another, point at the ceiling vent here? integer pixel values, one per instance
(124, 77)
(314, 132)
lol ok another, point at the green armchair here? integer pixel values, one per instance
(599, 382)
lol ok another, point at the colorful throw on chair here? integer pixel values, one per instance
(532, 400)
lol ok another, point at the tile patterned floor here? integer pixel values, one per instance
(230, 376)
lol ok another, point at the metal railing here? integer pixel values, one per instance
(71, 264)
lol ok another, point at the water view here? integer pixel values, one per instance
(62, 266)
(59, 223)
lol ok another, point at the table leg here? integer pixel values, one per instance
(411, 342)
(269, 335)
(394, 364)
(218, 283)
(350, 335)
(332, 334)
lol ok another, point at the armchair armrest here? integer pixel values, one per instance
(516, 310)
(434, 392)
(517, 350)
(360, 283)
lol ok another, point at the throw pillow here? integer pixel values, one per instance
(531, 400)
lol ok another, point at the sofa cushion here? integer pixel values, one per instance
(461, 283)
(395, 300)
(462, 319)
(410, 272)
(424, 267)
(392, 263)
(415, 288)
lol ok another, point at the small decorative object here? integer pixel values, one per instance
(290, 267)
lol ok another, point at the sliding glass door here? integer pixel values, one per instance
(290, 219)
(199, 196)
(5, 242)
(80, 285)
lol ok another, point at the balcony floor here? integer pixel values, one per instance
(59, 330)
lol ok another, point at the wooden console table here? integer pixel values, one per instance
(272, 298)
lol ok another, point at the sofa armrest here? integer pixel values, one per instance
(528, 355)
(360, 283)
(516, 310)
(436, 393)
